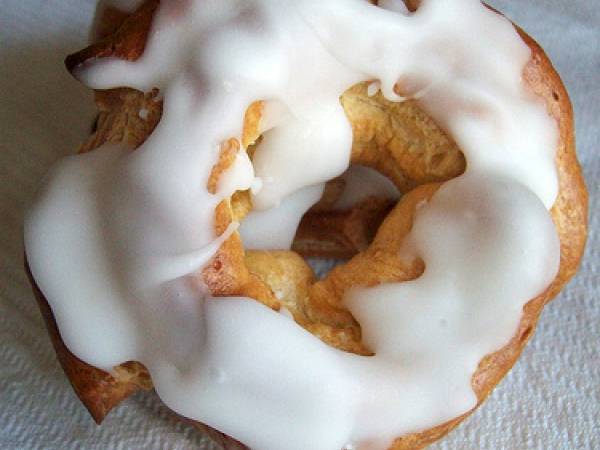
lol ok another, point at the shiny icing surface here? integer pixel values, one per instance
(362, 182)
(275, 228)
(117, 238)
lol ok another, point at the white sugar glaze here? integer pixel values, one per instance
(362, 182)
(275, 228)
(117, 239)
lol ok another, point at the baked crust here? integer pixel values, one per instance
(400, 141)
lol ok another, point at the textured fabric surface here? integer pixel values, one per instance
(550, 400)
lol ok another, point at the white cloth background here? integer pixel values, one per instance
(550, 400)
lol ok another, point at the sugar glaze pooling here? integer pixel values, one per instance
(275, 228)
(120, 269)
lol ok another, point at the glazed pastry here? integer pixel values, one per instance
(235, 116)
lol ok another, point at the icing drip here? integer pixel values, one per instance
(117, 238)
(362, 182)
(394, 5)
(275, 228)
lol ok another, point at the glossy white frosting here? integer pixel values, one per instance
(275, 228)
(117, 239)
(362, 182)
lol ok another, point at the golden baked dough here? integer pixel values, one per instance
(397, 139)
